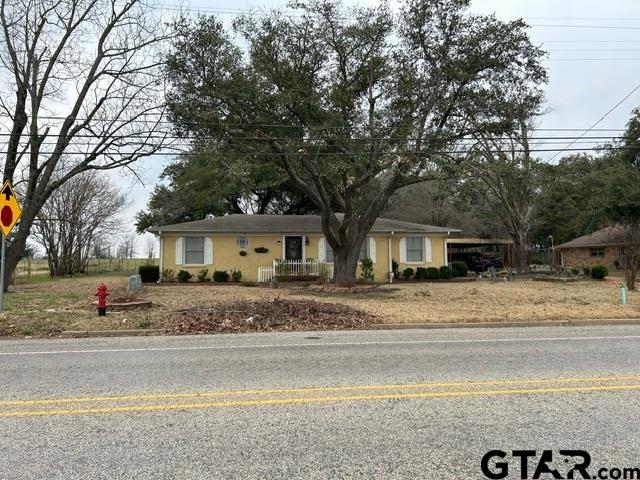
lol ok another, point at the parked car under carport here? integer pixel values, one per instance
(477, 262)
(481, 254)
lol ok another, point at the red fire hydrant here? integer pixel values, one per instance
(102, 295)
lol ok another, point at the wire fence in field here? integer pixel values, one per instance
(32, 269)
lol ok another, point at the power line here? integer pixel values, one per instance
(290, 13)
(635, 89)
(626, 59)
(272, 125)
(75, 147)
(597, 27)
(590, 41)
(409, 152)
(597, 50)
(606, 19)
(591, 139)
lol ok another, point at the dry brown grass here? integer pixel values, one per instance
(50, 307)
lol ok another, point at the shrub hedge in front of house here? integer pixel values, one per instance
(149, 273)
(220, 276)
(183, 276)
(598, 271)
(446, 272)
(460, 269)
(432, 273)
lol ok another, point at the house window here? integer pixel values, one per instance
(597, 252)
(364, 251)
(328, 252)
(242, 242)
(194, 250)
(415, 249)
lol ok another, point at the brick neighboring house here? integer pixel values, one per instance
(601, 246)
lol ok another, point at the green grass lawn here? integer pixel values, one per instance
(39, 312)
(40, 271)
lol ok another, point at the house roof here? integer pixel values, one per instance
(286, 224)
(599, 238)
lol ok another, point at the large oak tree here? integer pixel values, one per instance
(201, 184)
(351, 103)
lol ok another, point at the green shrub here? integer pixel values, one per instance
(149, 273)
(421, 273)
(599, 271)
(183, 276)
(167, 275)
(432, 273)
(236, 275)
(575, 271)
(144, 323)
(408, 273)
(220, 276)
(586, 271)
(366, 269)
(248, 283)
(446, 272)
(460, 269)
(202, 275)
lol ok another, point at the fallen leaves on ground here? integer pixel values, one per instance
(46, 308)
(270, 315)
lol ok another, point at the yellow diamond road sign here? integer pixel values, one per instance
(10, 210)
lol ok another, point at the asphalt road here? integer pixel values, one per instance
(363, 405)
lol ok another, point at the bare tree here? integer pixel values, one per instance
(151, 247)
(438, 203)
(628, 237)
(74, 219)
(127, 246)
(79, 90)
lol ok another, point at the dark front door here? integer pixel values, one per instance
(293, 248)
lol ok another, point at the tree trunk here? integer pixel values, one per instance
(522, 252)
(14, 252)
(630, 278)
(631, 271)
(345, 266)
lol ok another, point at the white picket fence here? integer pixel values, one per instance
(265, 274)
(295, 268)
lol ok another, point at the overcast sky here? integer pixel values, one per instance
(590, 69)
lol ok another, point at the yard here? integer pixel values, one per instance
(48, 308)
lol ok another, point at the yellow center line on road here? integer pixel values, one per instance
(317, 400)
(304, 390)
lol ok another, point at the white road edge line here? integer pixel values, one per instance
(321, 344)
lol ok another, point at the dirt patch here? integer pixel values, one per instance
(556, 279)
(361, 292)
(331, 288)
(274, 315)
(126, 303)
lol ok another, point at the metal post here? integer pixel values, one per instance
(623, 295)
(4, 248)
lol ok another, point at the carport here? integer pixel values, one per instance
(484, 246)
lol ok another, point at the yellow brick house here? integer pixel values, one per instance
(254, 244)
